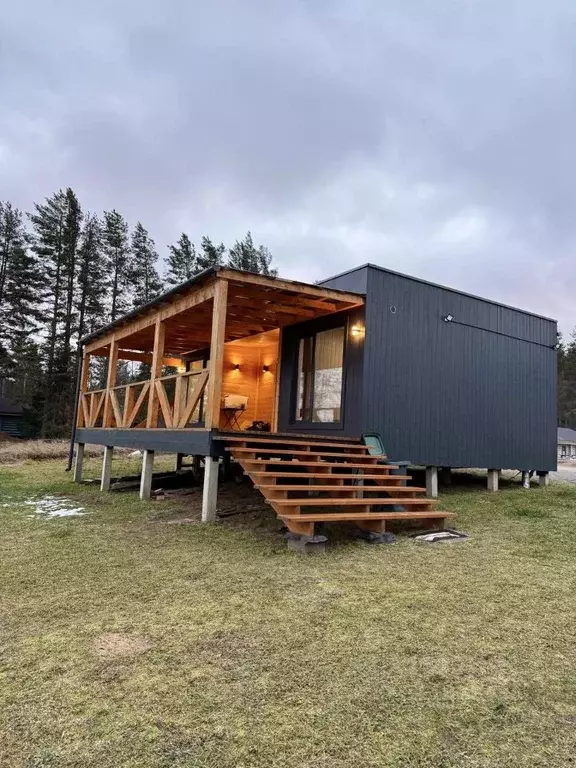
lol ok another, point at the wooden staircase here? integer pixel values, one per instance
(321, 480)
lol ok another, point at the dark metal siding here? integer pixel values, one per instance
(12, 425)
(354, 280)
(353, 375)
(476, 392)
(169, 440)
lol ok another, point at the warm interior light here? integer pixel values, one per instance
(265, 368)
(357, 330)
(237, 366)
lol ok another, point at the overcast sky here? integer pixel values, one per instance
(434, 137)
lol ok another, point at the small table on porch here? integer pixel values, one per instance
(231, 417)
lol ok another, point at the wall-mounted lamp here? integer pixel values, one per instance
(357, 331)
(265, 368)
(448, 318)
(236, 367)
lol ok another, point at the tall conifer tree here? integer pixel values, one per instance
(93, 278)
(56, 225)
(245, 255)
(117, 252)
(144, 279)
(21, 287)
(182, 261)
(210, 255)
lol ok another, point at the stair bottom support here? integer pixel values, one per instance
(308, 545)
(372, 526)
(376, 538)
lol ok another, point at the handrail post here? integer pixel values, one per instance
(157, 356)
(84, 377)
(110, 382)
(212, 417)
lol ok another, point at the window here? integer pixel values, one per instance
(319, 385)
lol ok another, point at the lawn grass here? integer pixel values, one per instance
(128, 641)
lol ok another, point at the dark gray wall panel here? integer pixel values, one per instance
(169, 440)
(12, 425)
(355, 280)
(353, 384)
(479, 391)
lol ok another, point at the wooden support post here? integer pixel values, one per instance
(179, 457)
(212, 415)
(110, 382)
(155, 373)
(146, 476)
(525, 479)
(78, 462)
(210, 491)
(543, 479)
(432, 482)
(493, 480)
(106, 468)
(277, 371)
(84, 380)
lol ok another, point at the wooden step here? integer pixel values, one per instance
(286, 441)
(385, 468)
(239, 453)
(332, 475)
(344, 488)
(322, 517)
(385, 501)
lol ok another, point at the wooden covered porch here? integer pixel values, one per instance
(217, 336)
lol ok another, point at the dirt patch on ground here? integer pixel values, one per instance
(112, 645)
(238, 503)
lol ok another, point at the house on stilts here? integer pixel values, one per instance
(447, 379)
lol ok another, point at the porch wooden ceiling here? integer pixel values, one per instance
(255, 304)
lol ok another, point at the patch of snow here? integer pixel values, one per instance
(441, 536)
(49, 506)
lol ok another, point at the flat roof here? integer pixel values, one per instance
(566, 434)
(436, 285)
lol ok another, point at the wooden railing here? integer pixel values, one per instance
(129, 406)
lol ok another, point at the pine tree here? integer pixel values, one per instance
(28, 384)
(70, 238)
(93, 283)
(56, 225)
(117, 253)
(246, 256)
(182, 262)
(20, 287)
(567, 382)
(210, 255)
(145, 283)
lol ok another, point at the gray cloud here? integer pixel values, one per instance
(434, 138)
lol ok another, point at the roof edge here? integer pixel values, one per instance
(153, 302)
(181, 287)
(443, 287)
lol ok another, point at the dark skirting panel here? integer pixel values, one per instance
(168, 440)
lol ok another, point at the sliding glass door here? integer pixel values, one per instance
(320, 377)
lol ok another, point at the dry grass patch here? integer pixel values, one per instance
(12, 451)
(112, 645)
(218, 648)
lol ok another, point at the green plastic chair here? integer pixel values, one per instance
(375, 445)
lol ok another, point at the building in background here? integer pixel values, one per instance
(11, 418)
(566, 443)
